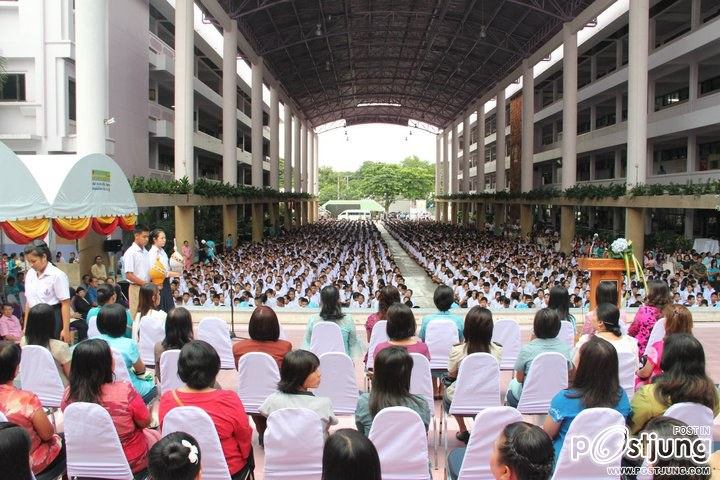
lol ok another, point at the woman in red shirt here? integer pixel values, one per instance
(264, 330)
(24, 409)
(401, 329)
(198, 366)
(91, 380)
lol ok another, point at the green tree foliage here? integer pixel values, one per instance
(413, 179)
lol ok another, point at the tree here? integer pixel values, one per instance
(336, 185)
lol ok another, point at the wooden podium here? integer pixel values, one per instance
(603, 269)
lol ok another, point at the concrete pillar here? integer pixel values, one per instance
(528, 128)
(229, 132)
(689, 223)
(453, 212)
(455, 168)
(465, 209)
(617, 221)
(637, 116)
(287, 121)
(693, 83)
(92, 99)
(296, 170)
(480, 149)
(592, 166)
(310, 163)
(501, 153)
(695, 14)
(569, 140)
(466, 158)
(257, 145)
(526, 220)
(692, 151)
(480, 217)
(500, 150)
(274, 138)
(438, 173)
(618, 163)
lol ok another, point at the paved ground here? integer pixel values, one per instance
(415, 277)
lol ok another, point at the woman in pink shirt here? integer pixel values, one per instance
(401, 329)
(91, 380)
(658, 297)
(388, 296)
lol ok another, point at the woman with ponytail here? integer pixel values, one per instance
(607, 326)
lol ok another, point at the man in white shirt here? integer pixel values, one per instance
(136, 261)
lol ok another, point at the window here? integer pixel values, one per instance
(14, 88)
(710, 85)
(709, 156)
(671, 98)
(547, 134)
(72, 111)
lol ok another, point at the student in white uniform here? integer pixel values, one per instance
(45, 283)
(136, 261)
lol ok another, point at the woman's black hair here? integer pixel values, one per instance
(198, 365)
(15, 451)
(527, 451)
(684, 378)
(391, 380)
(388, 296)
(154, 234)
(178, 329)
(401, 322)
(172, 459)
(40, 326)
(148, 293)
(606, 292)
(350, 455)
(112, 320)
(104, 293)
(683, 456)
(597, 380)
(10, 353)
(264, 325)
(478, 330)
(546, 323)
(330, 303)
(560, 302)
(443, 298)
(90, 369)
(609, 315)
(296, 367)
(38, 248)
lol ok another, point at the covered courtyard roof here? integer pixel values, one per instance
(389, 61)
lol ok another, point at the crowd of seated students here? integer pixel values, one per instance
(676, 372)
(519, 273)
(290, 271)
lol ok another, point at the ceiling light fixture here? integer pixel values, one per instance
(378, 104)
(483, 32)
(327, 65)
(318, 30)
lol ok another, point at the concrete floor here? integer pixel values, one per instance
(415, 277)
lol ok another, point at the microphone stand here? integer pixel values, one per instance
(232, 319)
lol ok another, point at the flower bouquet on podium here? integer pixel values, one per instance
(623, 249)
(176, 259)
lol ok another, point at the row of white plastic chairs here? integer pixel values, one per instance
(294, 442)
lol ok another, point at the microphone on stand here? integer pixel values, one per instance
(232, 316)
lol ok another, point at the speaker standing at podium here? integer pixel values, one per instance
(136, 262)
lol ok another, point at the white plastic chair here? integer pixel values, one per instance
(627, 366)
(567, 333)
(592, 464)
(169, 379)
(326, 337)
(377, 336)
(421, 384)
(477, 387)
(293, 445)
(121, 372)
(488, 424)
(258, 376)
(92, 327)
(3, 418)
(152, 331)
(197, 422)
(656, 334)
(39, 374)
(548, 374)
(338, 383)
(92, 443)
(697, 416)
(440, 336)
(215, 332)
(507, 333)
(398, 434)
